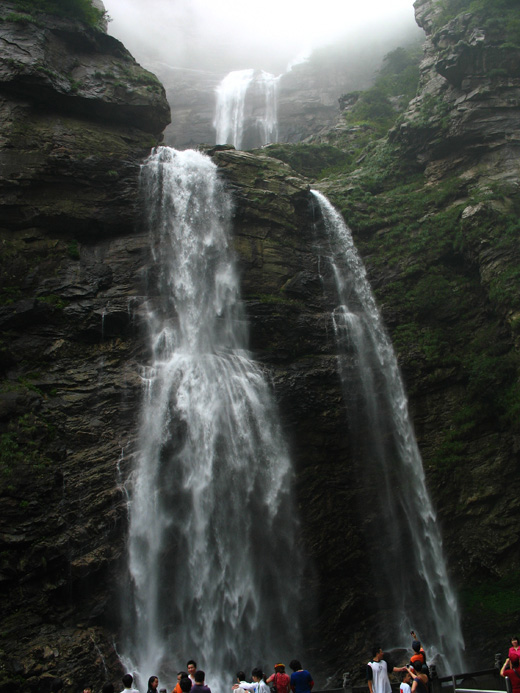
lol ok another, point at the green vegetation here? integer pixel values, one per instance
(377, 108)
(413, 234)
(73, 9)
(499, 18)
(53, 300)
(368, 117)
(494, 596)
(73, 250)
(311, 160)
(20, 18)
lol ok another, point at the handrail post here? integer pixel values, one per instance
(434, 679)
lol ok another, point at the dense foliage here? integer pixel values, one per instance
(74, 9)
(395, 85)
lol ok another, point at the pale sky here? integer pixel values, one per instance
(196, 33)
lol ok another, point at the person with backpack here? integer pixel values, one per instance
(279, 682)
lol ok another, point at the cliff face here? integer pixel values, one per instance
(464, 129)
(434, 211)
(466, 113)
(77, 115)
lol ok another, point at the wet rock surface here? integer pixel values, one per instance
(77, 117)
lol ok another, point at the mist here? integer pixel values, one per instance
(269, 35)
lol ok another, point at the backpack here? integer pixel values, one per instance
(281, 683)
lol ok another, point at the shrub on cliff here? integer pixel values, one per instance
(83, 10)
(395, 84)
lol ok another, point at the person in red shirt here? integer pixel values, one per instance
(515, 647)
(280, 680)
(511, 671)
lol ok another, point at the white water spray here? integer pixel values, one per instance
(214, 575)
(246, 109)
(410, 558)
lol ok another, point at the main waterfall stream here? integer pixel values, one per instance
(214, 573)
(407, 552)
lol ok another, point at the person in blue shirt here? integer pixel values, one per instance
(301, 680)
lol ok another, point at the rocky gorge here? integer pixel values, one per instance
(434, 212)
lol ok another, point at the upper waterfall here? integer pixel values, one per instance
(246, 109)
(213, 574)
(407, 553)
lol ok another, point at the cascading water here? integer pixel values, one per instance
(268, 120)
(409, 555)
(246, 109)
(213, 569)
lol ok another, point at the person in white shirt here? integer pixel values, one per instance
(191, 665)
(405, 683)
(378, 670)
(128, 680)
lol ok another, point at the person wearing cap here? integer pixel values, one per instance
(511, 671)
(280, 681)
(378, 670)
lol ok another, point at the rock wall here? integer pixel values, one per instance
(463, 130)
(434, 213)
(466, 113)
(77, 115)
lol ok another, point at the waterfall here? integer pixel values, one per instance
(246, 109)
(214, 571)
(409, 557)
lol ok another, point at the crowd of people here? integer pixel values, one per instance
(194, 681)
(415, 676)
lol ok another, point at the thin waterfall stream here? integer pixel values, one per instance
(410, 558)
(214, 574)
(246, 112)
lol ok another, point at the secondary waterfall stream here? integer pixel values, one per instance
(214, 574)
(246, 109)
(410, 557)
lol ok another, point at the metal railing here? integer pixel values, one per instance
(482, 681)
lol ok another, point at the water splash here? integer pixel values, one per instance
(214, 574)
(246, 109)
(411, 560)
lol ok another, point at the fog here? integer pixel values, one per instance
(225, 35)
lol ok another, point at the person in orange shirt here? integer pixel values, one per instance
(180, 675)
(419, 653)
